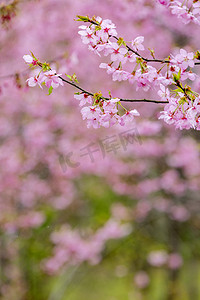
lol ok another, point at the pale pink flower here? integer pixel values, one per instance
(29, 59)
(130, 115)
(120, 75)
(184, 59)
(37, 79)
(117, 53)
(164, 92)
(110, 69)
(137, 43)
(131, 57)
(113, 230)
(107, 29)
(83, 98)
(110, 105)
(90, 112)
(87, 35)
(196, 8)
(109, 119)
(52, 79)
(184, 13)
(145, 79)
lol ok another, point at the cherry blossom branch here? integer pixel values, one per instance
(130, 49)
(33, 61)
(107, 99)
(183, 104)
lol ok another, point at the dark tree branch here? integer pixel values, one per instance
(105, 98)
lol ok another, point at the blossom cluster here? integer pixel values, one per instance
(99, 39)
(159, 258)
(71, 248)
(181, 111)
(183, 104)
(100, 35)
(45, 77)
(104, 113)
(189, 12)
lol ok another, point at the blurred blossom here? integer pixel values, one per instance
(162, 173)
(175, 261)
(32, 219)
(179, 213)
(120, 212)
(142, 209)
(161, 205)
(157, 258)
(141, 279)
(73, 248)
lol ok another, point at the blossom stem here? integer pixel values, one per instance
(135, 52)
(105, 98)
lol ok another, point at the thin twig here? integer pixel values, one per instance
(105, 98)
(135, 52)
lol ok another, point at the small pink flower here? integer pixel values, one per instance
(184, 59)
(87, 35)
(107, 29)
(83, 98)
(120, 75)
(110, 70)
(130, 115)
(30, 60)
(164, 92)
(137, 43)
(52, 79)
(117, 53)
(33, 81)
(92, 114)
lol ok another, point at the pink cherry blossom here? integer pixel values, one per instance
(137, 43)
(130, 115)
(52, 79)
(83, 98)
(37, 79)
(107, 29)
(117, 53)
(184, 59)
(30, 60)
(87, 35)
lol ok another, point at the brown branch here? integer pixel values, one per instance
(105, 98)
(135, 52)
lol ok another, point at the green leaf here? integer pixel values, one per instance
(70, 77)
(50, 90)
(121, 42)
(179, 74)
(82, 18)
